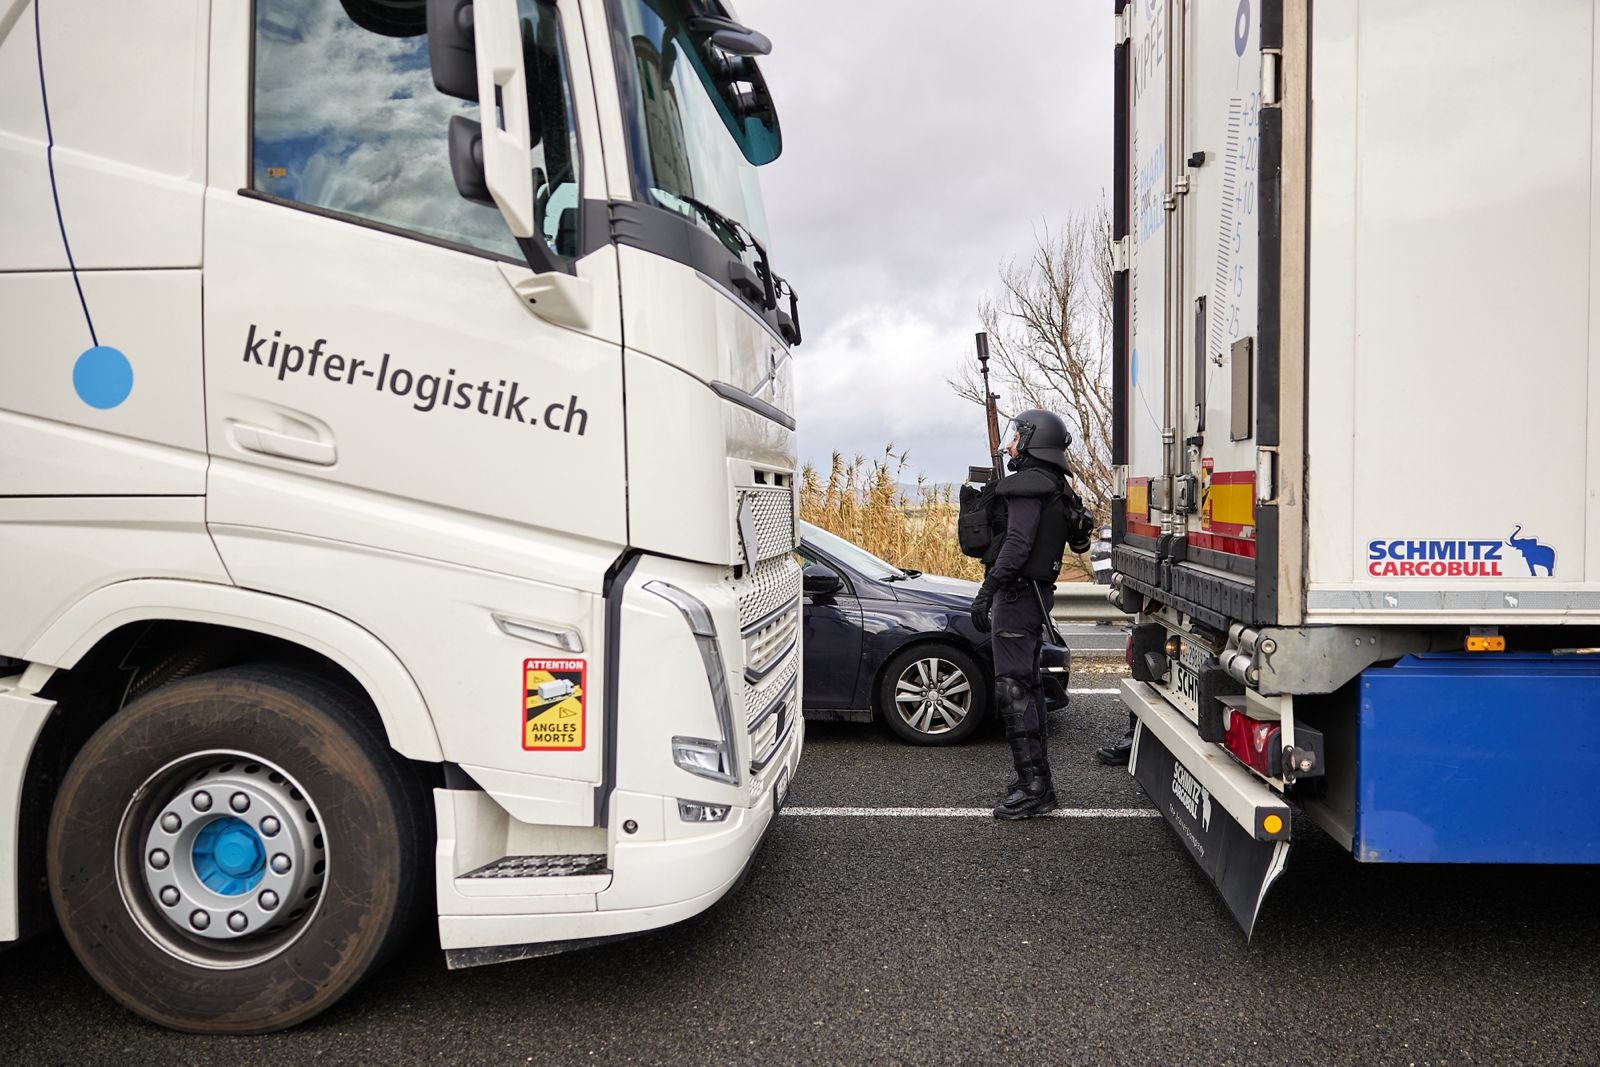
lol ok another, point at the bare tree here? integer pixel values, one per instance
(1050, 344)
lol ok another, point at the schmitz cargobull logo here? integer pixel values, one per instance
(1403, 558)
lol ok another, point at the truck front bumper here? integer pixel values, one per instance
(663, 872)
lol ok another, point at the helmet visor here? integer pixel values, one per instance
(1016, 433)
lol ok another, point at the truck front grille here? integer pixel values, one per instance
(766, 641)
(767, 587)
(766, 523)
(769, 712)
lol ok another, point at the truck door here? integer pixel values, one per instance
(1143, 91)
(1202, 385)
(390, 422)
(1216, 320)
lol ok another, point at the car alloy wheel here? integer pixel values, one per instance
(932, 695)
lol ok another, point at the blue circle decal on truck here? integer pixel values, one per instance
(103, 377)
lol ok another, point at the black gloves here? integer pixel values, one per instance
(980, 610)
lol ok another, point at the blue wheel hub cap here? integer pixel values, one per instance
(229, 857)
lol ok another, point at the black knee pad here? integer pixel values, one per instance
(1013, 698)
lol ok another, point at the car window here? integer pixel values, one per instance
(807, 559)
(857, 557)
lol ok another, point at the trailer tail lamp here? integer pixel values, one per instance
(1127, 652)
(1253, 742)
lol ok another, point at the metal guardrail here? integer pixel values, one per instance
(1084, 602)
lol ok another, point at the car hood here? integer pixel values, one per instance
(937, 589)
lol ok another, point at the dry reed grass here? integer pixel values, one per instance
(863, 502)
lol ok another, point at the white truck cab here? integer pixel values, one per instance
(397, 484)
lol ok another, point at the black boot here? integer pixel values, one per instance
(1043, 757)
(1116, 753)
(1034, 793)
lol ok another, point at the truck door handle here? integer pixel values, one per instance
(283, 445)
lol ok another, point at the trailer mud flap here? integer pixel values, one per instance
(1236, 828)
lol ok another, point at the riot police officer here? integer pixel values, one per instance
(1037, 516)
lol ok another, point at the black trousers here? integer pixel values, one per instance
(1018, 616)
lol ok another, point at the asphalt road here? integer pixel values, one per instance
(961, 940)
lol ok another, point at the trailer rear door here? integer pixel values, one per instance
(1200, 126)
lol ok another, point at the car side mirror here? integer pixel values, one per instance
(821, 581)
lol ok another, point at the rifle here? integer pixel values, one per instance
(997, 466)
(975, 521)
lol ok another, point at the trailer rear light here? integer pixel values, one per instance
(1127, 652)
(1254, 742)
(1486, 643)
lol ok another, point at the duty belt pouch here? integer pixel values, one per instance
(973, 529)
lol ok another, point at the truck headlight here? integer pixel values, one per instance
(708, 759)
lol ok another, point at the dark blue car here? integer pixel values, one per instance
(898, 644)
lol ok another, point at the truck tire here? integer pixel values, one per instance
(234, 852)
(924, 687)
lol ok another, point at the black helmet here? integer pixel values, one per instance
(1042, 435)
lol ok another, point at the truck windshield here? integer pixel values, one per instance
(684, 153)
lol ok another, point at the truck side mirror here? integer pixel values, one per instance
(475, 52)
(466, 160)
(451, 52)
(821, 581)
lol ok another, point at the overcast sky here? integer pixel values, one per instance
(924, 145)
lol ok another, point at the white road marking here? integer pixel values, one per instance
(970, 813)
(1087, 692)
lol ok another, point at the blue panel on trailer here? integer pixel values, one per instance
(1484, 758)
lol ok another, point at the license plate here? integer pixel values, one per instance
(1183, 682)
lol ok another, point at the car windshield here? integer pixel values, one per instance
(684, 154)
(852, 556)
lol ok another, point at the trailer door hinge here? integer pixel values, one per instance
(1119, 255)
(1266, 475)
(1271, 78)
(1180, 187)
(1122, 26)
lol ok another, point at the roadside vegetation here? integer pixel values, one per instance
(869, 503)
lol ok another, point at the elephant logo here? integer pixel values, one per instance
(1534, 554)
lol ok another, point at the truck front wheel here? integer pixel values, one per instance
(232, 853)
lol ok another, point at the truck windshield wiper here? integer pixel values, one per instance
(739, 240)
(729, 231)
(910, 572)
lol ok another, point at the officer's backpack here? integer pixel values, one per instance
(975, 523)
(981, 521)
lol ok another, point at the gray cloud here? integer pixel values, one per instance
(924, 144)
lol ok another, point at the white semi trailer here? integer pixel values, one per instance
(1357, 373)
(396, 484)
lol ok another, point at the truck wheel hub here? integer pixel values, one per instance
(234, 852)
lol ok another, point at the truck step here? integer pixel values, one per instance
(540, 867)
